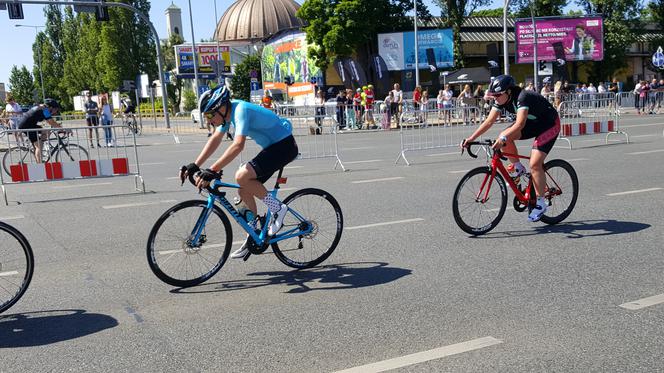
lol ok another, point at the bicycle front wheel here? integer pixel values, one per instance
(316, 212)
(16, 265)
(71, 153)
(15, 155)
(479, 205)
(562, 190)
(172, 255)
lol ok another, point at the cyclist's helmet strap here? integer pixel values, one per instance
(213, 99)
(501, 84)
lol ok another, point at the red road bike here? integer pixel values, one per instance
(480, 198)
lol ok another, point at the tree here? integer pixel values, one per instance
(175, 86)
(621, 25)
(22, 85)
(497, 12)
(189, 100)
(455, 12)
(339, 28)
(542, 8)
(241, 83)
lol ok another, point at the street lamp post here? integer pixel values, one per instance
(506, 56)
(41, 74)
(535, 67)
(417, 51)
(193, 50)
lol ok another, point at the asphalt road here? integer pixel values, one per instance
(525, 297)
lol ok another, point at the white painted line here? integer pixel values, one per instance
(110, 207)
(367, 161)
(385, 223)
(647, 152)
(643, 303)
(3, 218)
(421, 357)
(441, 154)
(359, 148)
(292, 167)
(376, 180)
(642, 125)
(577, 159)
(593, 140)
(151, 164)
(458, 172)
(633, 192)
(8, 273)
(637, 136)
(173, 178)
(79, 185)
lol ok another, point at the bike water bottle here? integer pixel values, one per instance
(514, 174)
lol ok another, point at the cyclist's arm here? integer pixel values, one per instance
(231, 152)
(493, 116)
(51, 122)
(209, 148)
(521, 117)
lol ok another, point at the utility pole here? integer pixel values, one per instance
(417, 50)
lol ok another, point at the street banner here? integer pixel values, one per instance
(357, 74)
(343, 73)
(380, 73)
(206, 54)
(582, 38)
(287, 56)
(398, 49)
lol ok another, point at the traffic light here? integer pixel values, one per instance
(15, 10)
(102, 12)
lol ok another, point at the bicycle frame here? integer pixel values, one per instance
(260, 238)
(497, 166)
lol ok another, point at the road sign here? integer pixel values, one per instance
(658, 58)
(15, 11)
(84, 8)
(253, 74)
(202, 89)
(167, 77)
(255, 86)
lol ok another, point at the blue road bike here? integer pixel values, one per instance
(191, 241)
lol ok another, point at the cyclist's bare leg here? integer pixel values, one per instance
(38, 146)
(538, 175)
(249, 187)
(510, 147)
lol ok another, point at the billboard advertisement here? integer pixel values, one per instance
(398, 49)
(205, 52)
(581, 38)
(287, 57)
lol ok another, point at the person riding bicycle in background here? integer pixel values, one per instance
(535, 117)
(127, 106)
(38, 114)
(271, 132)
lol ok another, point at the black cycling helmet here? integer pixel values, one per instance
(500, 84)
(51, 103)
(213, 99)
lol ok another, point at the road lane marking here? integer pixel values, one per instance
(110, 207)
(16, 217)
(424, 356)
(643, 303)
(376, 180)
(442, 154)
(79, 185)
(8, 273)
(173, 178)
(292, 167)
(637, 136)
(151, 164)
(359, 148)
(577, 159)
(457, 172)
(642, 125)
(647, 152)
(367, 161)
(385, 223)
(633, 192)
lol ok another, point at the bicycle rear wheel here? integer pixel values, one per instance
(71, 153)
(16, 265)
(172, 256)
(317, 210)
(15, 155)
(562, 190)
(471, 214)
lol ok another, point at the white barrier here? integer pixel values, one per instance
(580, 117)
(69, 154)
(433, 129)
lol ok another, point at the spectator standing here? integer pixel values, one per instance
(652, 97)
(439, 104)
(591, 89)
(425, 105)
(341, 103)
(417, 100)
(557, 94)
(350, 112)
(601, 88)
(386, 121)
(448, 96)
(464, 98)
(397, 103)
(357, 107)
(107, 121)
(637, 97)
(319, 102)
(14, 112)
(267, 100)
(91, 118)
(369, 101)
(546, 90)
(530, 87)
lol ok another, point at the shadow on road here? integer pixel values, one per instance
(331, 277)
(577, 229)
(46, 327)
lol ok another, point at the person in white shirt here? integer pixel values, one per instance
(14, 112)
(397, 103)
(601, 88)
(592, 89)
(107, 120)
(448, 94)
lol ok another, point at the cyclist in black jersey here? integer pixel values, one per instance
(535, 117)
(38, 114)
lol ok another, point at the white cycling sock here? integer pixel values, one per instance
(273, 204)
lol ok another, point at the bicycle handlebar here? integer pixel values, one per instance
(485, 142)
(212, 190)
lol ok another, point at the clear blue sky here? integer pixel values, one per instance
(18, 41)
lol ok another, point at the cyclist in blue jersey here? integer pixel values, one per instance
(272, 133)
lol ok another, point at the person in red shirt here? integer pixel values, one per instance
(369, 95)
(417, 100)
(267, 100)
(357, 105)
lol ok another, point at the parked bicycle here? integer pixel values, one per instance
(191, 241)
(57, 148)
(130, 124)
(480, 198)
(16, 265)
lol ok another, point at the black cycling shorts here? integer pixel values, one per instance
(274, 157)
(33, 135)
(545, 136)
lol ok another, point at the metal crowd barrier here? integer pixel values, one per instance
(69, 153)
(587, 117)
(433, 129)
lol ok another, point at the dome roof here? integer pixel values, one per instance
(252, 20)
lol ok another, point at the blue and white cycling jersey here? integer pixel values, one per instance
(259, 123)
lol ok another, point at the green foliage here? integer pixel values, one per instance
(241, 84)
(337, 28)
(22, 85)
(541, 8)
(175, 87)
(189, 100)
(497, 12)
(146, 107)
(456, 11)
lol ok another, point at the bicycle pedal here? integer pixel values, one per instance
(246, 256)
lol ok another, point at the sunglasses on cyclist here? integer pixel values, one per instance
(210, 115)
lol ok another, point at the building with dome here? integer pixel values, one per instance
(252, 21)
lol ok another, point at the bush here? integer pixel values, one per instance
(146, 107)
(189, 100)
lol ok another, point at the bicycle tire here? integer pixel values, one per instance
(555, 182)
(8, 272)
(178, 244)
(470, 194)
(138, 127)
(15, 155)
(71, 153)
(284, 250)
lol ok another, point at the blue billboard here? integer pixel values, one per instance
(436, 49)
